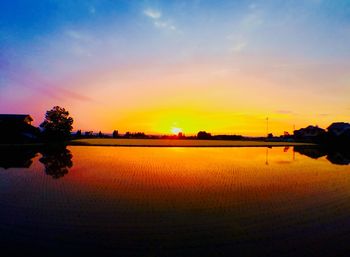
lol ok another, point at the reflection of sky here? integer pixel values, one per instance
(181, 171)
(57, 161)
(222, 66)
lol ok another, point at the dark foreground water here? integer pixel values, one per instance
(134, 201)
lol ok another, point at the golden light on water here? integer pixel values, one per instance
(196, 195)
(228, 176)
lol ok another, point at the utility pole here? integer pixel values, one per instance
(267, 126)
(293, 146)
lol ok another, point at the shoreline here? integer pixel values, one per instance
(180, 143)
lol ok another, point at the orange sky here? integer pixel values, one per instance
(201, 95)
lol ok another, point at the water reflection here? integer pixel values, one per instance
(137, 201)
(339, 156)
(57, 161)
(17, 157)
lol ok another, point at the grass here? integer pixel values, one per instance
(178, 143)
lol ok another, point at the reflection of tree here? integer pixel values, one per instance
(57, 161)
(338, 156)
(312, 152)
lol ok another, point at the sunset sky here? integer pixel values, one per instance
(152, 66)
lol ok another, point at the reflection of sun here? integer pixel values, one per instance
(176, 130)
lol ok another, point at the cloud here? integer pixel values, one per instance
(80, 43)
(79, 36)
(252, 20)
(153, 14)
(73, 34)
(245, 28)
(165, 25)
(238, 46)
(238, 43)
(158, 22)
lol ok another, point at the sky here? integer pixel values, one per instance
(163, 66)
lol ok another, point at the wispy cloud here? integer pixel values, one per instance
(238, 43)
(153, 14)
(238, 46)
(80, 43)
(73, 34)
(245, 28)
(252, 20)
(158, 21)
(165, 25)
(79, 35)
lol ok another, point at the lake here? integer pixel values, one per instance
(176, 201)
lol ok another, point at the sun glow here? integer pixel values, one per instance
(176, 131)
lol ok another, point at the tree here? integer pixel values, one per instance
(78, 134)
(115, 134)
(57, 124)
(203, 135)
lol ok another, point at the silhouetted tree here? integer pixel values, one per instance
(57, 124)
(100, 134)
(89, 133)
(115, 134)
(127, 135)
(78, 134)
(203, 135)
(135, 135)
(228, 137)
(181, 135)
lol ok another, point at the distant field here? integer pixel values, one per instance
(177, 143)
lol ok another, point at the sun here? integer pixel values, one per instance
(176, 131)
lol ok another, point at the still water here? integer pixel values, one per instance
(134, 201)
